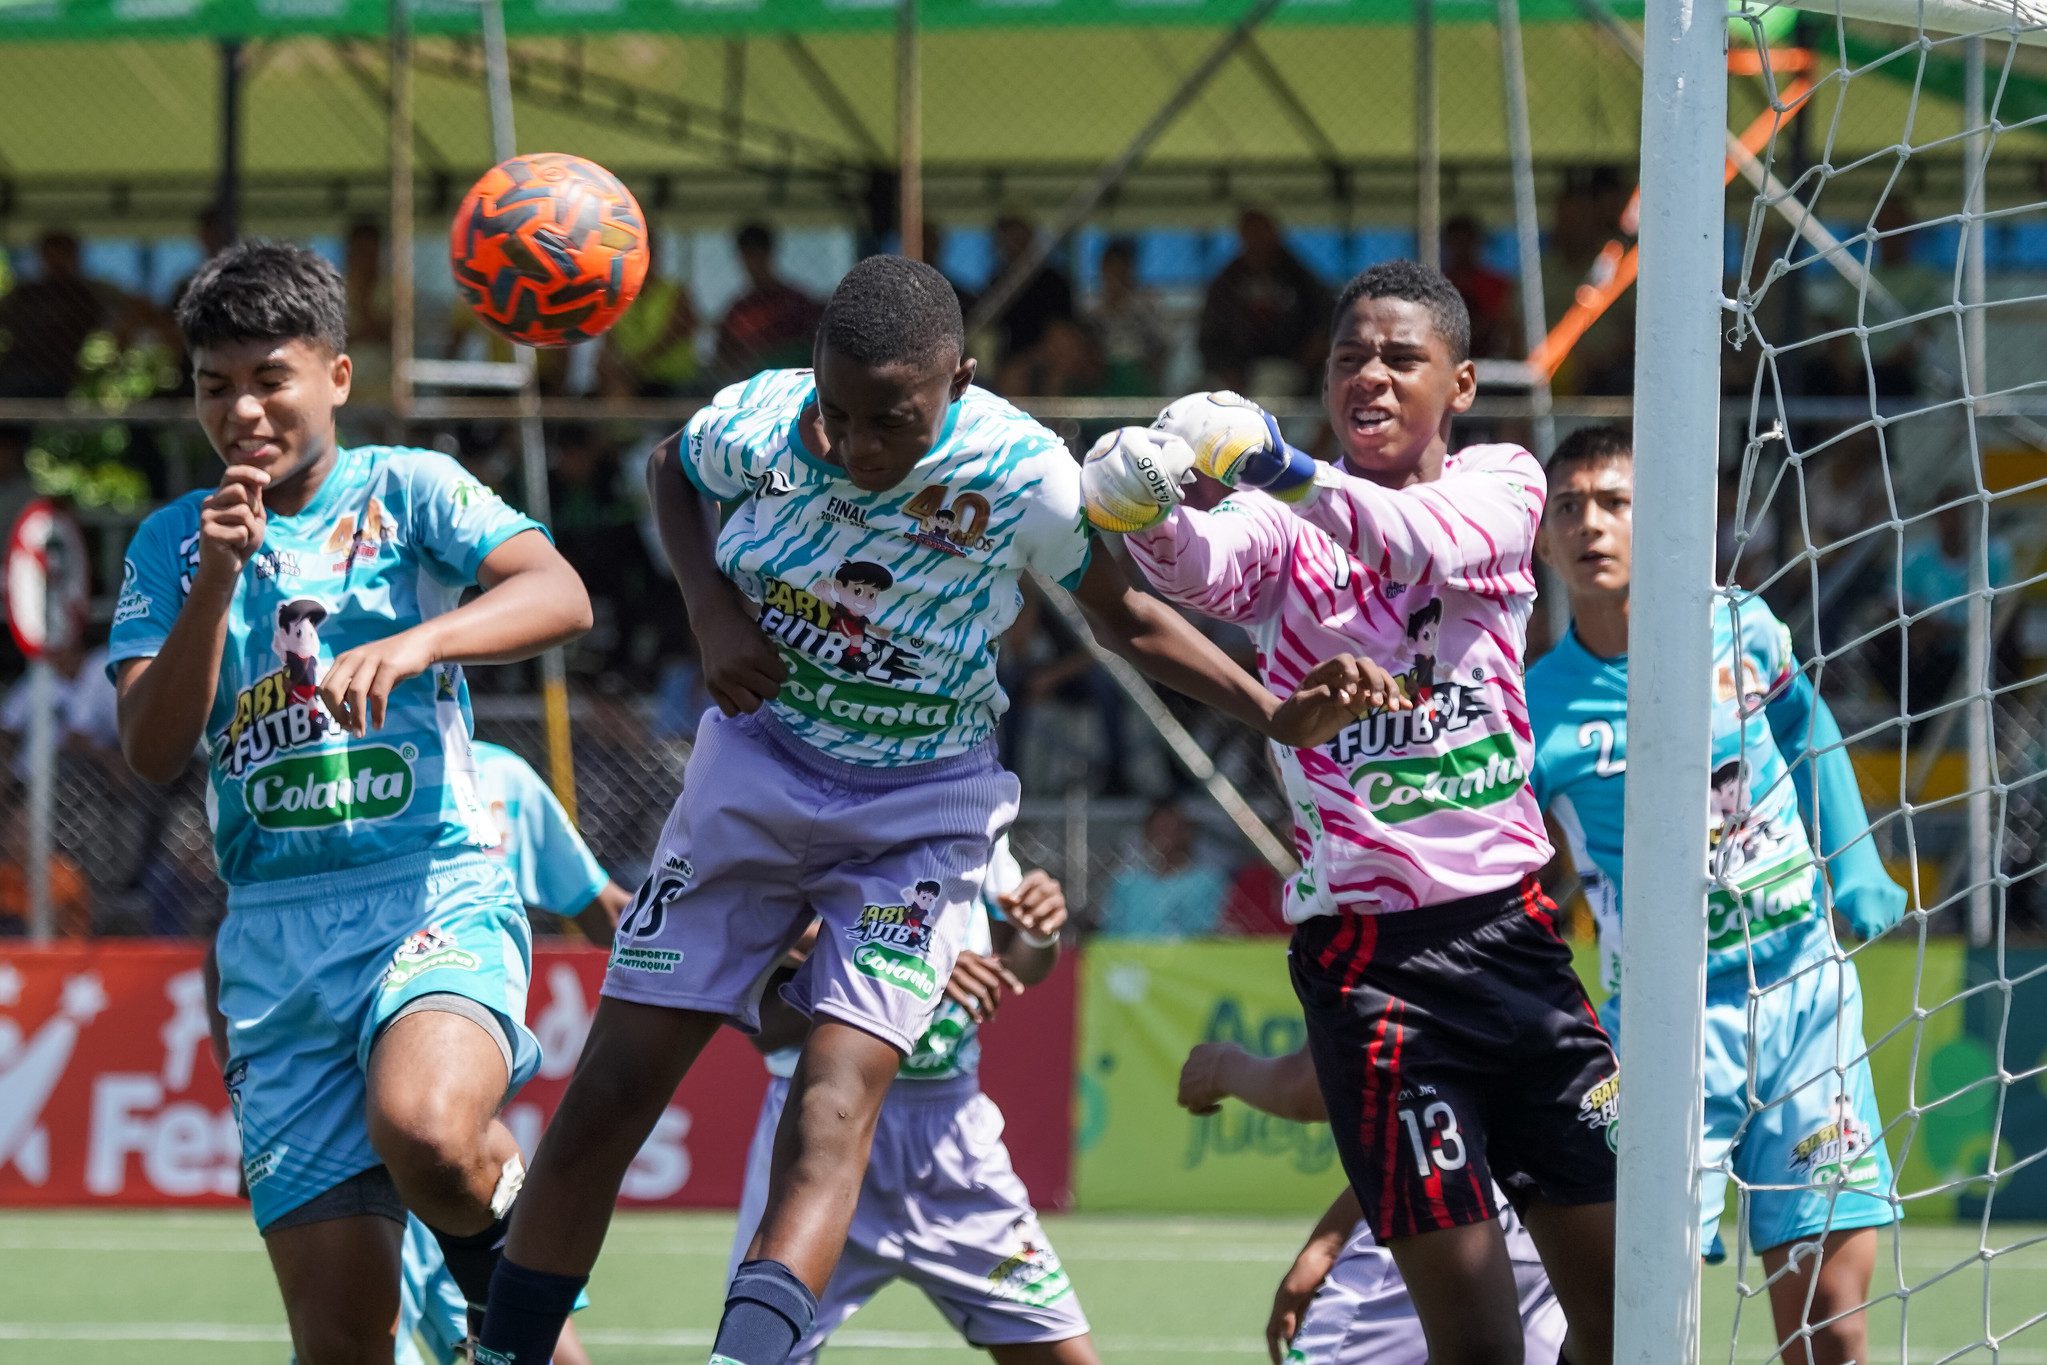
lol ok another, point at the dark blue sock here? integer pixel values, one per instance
(526, 1313)
(471, 1260)
(767, 1311)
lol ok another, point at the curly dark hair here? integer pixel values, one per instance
(890, 310)
(1415, 283)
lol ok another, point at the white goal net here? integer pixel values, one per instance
(1881, 489)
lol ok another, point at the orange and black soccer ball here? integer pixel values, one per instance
(549, 249)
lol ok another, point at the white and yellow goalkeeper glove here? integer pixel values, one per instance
(1237, 443)
(1132, 478)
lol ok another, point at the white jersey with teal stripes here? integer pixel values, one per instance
(951, 1045)
(1763, 900)
(390, 539)
(887, 607)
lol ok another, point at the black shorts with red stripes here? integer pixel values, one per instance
(1455, 1048)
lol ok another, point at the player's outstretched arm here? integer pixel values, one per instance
(1161, 643)
(1230, 565)
(163, 700)
(741, 667)
(1310, 1268)
(532, 600)
(1281, 1086)
(1830, 799)
(1473, 529)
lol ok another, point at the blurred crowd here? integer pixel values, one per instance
(1866, 553)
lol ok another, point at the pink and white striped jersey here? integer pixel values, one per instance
(1434, 581)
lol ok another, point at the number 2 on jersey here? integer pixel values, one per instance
(1600, 732)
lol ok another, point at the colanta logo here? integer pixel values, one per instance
(317, 790)
(1482, 773)
(898, 969)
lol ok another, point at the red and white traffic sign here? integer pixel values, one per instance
(49, 579)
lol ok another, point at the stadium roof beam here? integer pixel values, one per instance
(1312, 132)
(1004, 290)
(746, 144)
(833, 96)
(379, 90)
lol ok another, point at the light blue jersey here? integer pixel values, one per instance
(1790, 1111)
(1763, 903)
(887, 607)
(548, 861)
(391, 539)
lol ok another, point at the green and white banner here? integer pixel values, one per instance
(293, 18)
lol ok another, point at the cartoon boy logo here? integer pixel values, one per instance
(1734, 835)
(297, 642)
(1424, 628)
(920, 902)
(853, 592)
(943, 523)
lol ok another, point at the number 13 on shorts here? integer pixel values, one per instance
(1433, 1135)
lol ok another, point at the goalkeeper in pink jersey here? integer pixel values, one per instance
(1452, 1041)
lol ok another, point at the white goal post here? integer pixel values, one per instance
(1887, 376)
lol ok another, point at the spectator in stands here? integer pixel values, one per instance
(1265, 317)
(70, 893)
(1253, 905)
(1045, 298)
(1135, 343)
(215, 236)
(44, 321)
(773, 322)
(596, 523)
(1587, 218)
(181, 892)
(1169, 894)
(1043, 663)
(1066, 363)
(84, 710)
(1935, 576)
(651, 352)
(934, 256)
(1488, 295)
(1892, 363)
(369, 311)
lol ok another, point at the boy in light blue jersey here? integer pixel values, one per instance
(554, 871)
(302, 621)
(1811, 1157)
(884, 512)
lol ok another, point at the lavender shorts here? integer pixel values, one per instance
(769, 833)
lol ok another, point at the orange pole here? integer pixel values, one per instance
(1614, 272)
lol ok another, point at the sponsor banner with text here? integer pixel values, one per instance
(109, 1094)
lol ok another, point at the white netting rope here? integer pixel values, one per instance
(1889, 503)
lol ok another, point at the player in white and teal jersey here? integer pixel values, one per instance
(303, 622)
(555, 871)
(1810, 1156)
(941, 1207)
(883, 513)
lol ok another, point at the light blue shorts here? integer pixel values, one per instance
(1805, 1145)
(311, 968)
(1811, 1159)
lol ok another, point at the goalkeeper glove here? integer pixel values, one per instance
(1132, 478)
(1236, 442)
